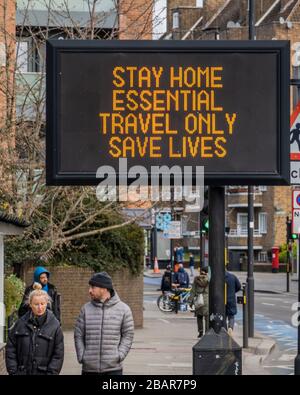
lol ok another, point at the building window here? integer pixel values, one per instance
(262, 223)
(199, 3)
(22, 56)
(262, 256)
(242, 223)
(175, 20)
(263, 188)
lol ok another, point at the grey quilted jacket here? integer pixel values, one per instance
(103, 335)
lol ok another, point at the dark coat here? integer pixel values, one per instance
(192, 261)
(33, 350)
(166, 281)
(201, 286)
(233, 286)
(182, 278)
(52, 292)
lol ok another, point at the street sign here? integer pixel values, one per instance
(295, 134)
(223, 105)
(296, 221)
(173, 231)
(295, 146)
(296, 199)
(163, 221)
(295, 173)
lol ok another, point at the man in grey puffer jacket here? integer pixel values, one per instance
(104, 329)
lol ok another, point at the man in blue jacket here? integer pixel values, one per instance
(41, 275)
(181, 278)
(233, 286)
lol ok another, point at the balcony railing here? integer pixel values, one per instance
(243, 233)
(244, 189)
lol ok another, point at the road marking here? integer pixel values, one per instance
(286, 358)
(268, 304)
(165, 321)
(286, 367)
(290, 349)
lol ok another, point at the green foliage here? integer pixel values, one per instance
(13, 293)
(123, 247)
(283, 252)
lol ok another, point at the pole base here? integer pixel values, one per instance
(217, 354)
(297, 365)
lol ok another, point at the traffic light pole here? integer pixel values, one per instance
(297, 359)
(288, 239)
(250, 278)
(201, 264)
(216, 258)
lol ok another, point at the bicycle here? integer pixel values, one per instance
(177, 299)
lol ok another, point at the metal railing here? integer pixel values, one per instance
(243, 233)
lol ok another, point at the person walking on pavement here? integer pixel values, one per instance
(166, 281)
(104, 329)
(35, 343)
(192, 265)
(200, 287)
(233, 285)
(181, 278)
(179, 253)
(41, 276)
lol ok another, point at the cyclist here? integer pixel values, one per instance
(181, 278)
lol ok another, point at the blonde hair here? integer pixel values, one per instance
(37, 291)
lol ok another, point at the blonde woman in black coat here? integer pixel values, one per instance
(35, 344)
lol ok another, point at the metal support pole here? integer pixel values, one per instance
(297, 359)
(288, 270)
(250, 278)
(251, 19)
(216, 258)
(245, 316)
(172, 219)
(201, 237)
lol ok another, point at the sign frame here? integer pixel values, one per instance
(280, 175)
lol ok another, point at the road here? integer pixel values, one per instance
(273, 317)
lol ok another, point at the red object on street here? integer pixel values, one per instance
(275, 259)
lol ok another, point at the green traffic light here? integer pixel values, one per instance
(294, 236)
(206, 225)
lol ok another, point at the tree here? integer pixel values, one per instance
(63, 219)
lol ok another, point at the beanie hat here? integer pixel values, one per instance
(101, 280)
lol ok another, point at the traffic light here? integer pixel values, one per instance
(289, 234)
(288, 230)
(205, 225)
(204, 213)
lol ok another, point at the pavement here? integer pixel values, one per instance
(164, 345)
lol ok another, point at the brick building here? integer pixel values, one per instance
(228, 20)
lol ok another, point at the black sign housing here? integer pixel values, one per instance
(223, 105)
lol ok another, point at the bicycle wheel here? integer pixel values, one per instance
(164, 304)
